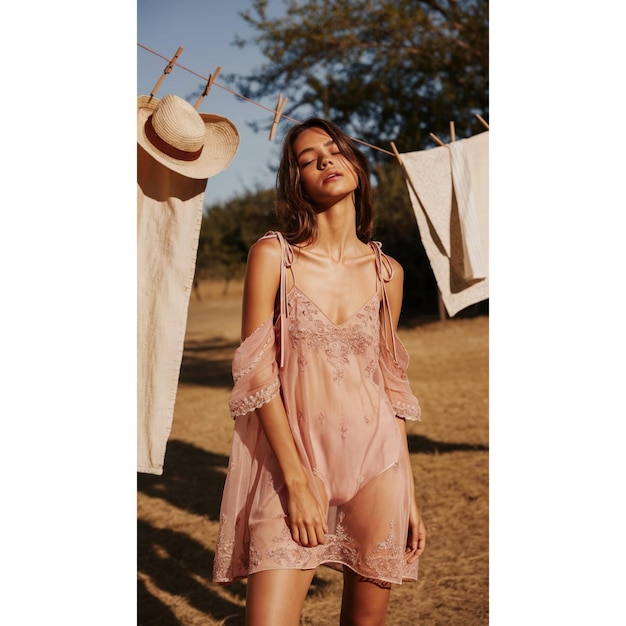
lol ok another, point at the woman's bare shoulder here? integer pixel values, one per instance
(398, 270)
(396, 274)
(264, 261)
(261, 283)
(394, 287)
(266, 249)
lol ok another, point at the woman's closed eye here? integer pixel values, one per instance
(305, 163)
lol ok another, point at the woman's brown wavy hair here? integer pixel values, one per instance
(296, 213)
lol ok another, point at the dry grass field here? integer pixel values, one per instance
(178, 511)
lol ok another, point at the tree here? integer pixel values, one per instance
(384, 70)
(228, 230)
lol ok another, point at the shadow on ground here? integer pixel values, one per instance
(423, 445)
(179, 566)
(176, 563)
(208, 363)
(193, 479)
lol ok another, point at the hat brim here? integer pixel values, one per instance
(220, 145)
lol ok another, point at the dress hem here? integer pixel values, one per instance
(336, 565)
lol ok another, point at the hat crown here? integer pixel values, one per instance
(179, 124)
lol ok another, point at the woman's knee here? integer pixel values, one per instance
(365, 601)
(276, 597)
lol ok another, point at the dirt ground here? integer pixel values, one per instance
(178, 511)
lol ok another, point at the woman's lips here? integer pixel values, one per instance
(331, 176)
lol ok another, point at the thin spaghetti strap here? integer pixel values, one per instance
(286, 262)
(384, 272)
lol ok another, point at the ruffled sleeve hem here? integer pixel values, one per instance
(397, 386)
(250, 403)
(408, 411)
(255, 371)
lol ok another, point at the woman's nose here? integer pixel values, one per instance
(324, 160)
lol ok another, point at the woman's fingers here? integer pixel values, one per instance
(309, 534)
(308, 520)
(416, 541)
(411, 554)
(304, 536)
(420, 539)
(321, 526)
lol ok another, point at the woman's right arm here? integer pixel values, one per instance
(307, 518)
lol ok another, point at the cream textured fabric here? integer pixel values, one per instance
(169, 215)
(475, 267)
(451, 206)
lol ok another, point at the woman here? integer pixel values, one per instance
(319, 471)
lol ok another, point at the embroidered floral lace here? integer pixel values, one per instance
(343, 388)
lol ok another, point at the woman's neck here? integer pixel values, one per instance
(337, 231)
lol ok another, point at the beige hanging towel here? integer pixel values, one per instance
(449, 191)
(475, 266)
(168, 229)
(177, 150)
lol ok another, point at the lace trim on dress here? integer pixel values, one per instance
(254, 371)
(256, 400)
(396, 382)
(337, 342)
(384, 562)
(387, 558)
(407, 411)
(269, 340)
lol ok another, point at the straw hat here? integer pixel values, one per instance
(196, 145)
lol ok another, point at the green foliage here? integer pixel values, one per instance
(229, 229)
(384, 70)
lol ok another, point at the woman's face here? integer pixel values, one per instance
(326, 175)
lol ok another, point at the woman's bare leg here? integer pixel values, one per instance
(276, 597)
(364, 601)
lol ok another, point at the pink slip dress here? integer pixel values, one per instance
(344, 389)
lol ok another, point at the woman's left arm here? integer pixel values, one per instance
(416, 536)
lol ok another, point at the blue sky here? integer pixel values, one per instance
(206, 30)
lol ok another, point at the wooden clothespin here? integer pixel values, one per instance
(452, 135)
(395, 151)
(482, 121)
(279, 110)
(166, 71)
(209, 84)
(436, 139)
(402, 168)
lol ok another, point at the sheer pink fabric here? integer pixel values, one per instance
(342, 387)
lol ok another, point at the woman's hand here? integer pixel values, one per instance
(416, 538)
(307, 518)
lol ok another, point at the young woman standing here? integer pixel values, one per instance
(319, 471)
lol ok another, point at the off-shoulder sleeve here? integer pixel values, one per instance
(255, 372)
(396, 382)
(394, 359)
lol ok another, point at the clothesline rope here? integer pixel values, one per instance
(242, 97)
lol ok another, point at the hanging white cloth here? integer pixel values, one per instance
(449, 191)
(475, 266)
(169, 215)
(179, 149)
